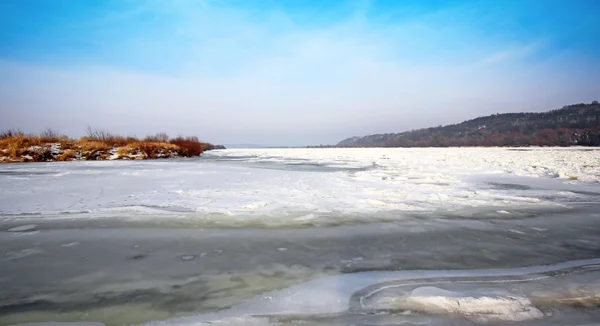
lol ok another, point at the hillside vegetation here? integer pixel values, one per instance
(50, 145)
(571, 125)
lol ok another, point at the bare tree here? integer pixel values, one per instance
(97, 134)
(50, 133)
(159, 137)
(11, 133)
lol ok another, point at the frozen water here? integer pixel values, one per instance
(305, 236)
(22, 228)
(61, 324)
(360, 292)
(293, 187)
(132, 275)
(480, 307)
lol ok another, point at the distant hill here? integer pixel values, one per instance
(577, 124)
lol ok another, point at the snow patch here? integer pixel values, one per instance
(480, 308)
(22, 228)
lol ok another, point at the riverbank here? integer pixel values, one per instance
(21, 148)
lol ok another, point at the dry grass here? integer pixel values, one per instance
(154, 149)
(125, 151)
(93, 145)
(18, 145)
(67, 155)
(96, 145)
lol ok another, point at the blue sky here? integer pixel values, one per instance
(289, 72)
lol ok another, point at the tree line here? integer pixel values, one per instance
(571, 125)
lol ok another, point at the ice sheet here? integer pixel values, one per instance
(279, 187)
(348, 293)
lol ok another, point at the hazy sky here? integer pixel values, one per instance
(294, 72)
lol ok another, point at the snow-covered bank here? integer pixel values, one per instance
(57, 152)
(97, 146)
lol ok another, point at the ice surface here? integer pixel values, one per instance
(20, 254)
(61, 324)
(282, 187)
(359, 293)
(480, 307)
(22, 228)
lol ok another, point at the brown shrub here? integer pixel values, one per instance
(66, 144)
(91, 155)
(190, 146)
(116, 141)
(152, 149)
(131, 139)
(12, 146)
(18, 145)
(93, 145)
(40, 154)
(96, 145)
(124, 151)
(67, 155)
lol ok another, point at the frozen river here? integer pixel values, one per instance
(312, 236)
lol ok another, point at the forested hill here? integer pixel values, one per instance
(577, 124)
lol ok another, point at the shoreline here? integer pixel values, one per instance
(53, 152)
(24, 149)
